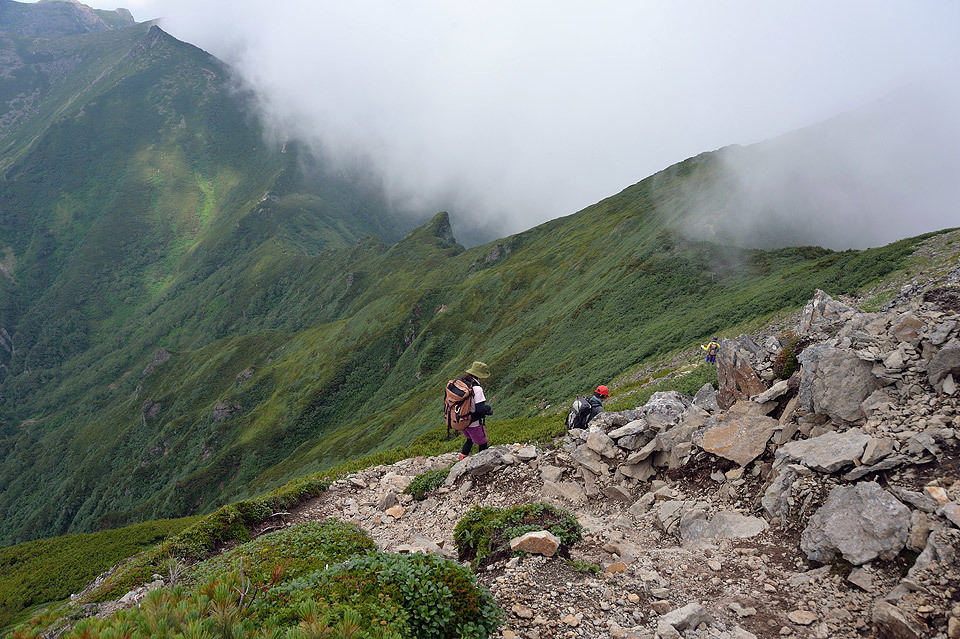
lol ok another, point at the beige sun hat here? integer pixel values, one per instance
(479, 369)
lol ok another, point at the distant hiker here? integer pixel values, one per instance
(586, 408)
(711, 349)
(465, 407)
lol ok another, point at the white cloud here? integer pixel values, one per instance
(516, 113)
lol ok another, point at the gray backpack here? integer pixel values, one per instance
(579, 413)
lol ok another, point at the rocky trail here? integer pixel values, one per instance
(823, 505)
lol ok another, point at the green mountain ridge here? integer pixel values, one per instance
(299, 321)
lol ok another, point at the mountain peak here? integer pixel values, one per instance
(58, 18)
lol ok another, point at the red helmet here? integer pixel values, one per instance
(602, 391)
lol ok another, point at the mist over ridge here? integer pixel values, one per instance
(510, 116)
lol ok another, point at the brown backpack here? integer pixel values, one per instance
(456, 404)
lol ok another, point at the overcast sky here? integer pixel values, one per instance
(520, 112)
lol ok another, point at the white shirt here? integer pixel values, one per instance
(478, 397)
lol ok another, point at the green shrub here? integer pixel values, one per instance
(416, 595)
(484, 533)
(426, 482)
(288, 553)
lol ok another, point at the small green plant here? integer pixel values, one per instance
(786, 362)
(485, 532)
(584, 567)
(426, 482)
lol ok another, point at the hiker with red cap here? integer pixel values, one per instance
(596, 402)
(586, 408)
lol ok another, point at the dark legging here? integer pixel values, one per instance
(468, 445)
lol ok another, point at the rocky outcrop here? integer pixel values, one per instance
(736, 377)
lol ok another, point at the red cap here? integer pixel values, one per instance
(602, 391)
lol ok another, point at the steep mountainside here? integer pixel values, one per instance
(138, 195)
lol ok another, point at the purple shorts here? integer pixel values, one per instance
(477, 433)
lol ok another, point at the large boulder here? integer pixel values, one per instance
(664, 410)
(735, 375)
(706, 398)
(739, 438)
(829, 452)
(945, 362)
(860, 522)
(835, 382)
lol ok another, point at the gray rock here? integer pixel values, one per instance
(776, 498)
(835, 382)
(589, 459)
(822, 313)
(641, 471)
(664, 410)
(527, 453)
(483, 462)
(550, 473)
(566, 490)
(706, 398)
(877, 449)
(878, 402)
(389, 501)
(690, 616)
(723, 525)
(894, 622)
(887, 464)
(860, 522)
(951, 511)
(921, 501)
(672, 513)
(948, 386)
(634, 442)
(920, 444)
(862, 579)
(602, 444)
(617, 493)
(829, 452)
(634, 427)
(777, 390)
(738, 438)
(945, 362)
(941, 333)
